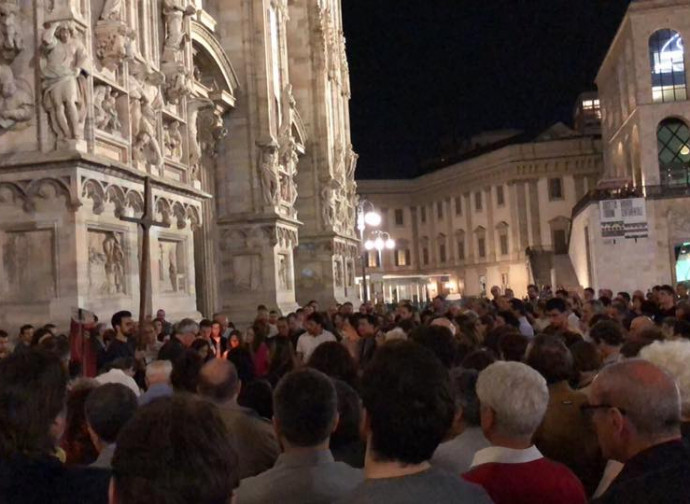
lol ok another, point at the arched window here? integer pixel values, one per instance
(673, 140)
(668, 68)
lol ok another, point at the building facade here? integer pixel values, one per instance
(644, 228)
(235, 112)
(498, 217)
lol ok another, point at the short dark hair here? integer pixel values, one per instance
(205, 323)
(556, 304)
(34, 383)
(372, 319)
(116, 320)
(509, 318)
(551, 358)
(682, 328)
(406, 392)
(3, 334)
(180, 461)
(350, 412)
(261, 308)
(108, 408)
(334, 360)
(590, 290)
(518, 306)
(624, 295)
(439, 340)
(25, 327)
(185, 372)
(668, 289)
(223, 390)
(317, 318)
(586, 357)
(532, 286)
(463, 385)
(512, 346)
(479, 359)
(608, 332)
(305, 403)
(258, 396)
(407, 305)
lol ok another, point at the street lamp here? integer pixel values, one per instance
(379, 241)
(366, 216)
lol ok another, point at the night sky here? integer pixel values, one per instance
(425, 72)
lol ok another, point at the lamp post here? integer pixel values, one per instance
(381, 240)
(366, 216)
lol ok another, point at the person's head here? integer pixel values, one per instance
(347, 309)
(219, 382)
(235, 339)
(479, 359)
(589, 294)
(586, 357)
(334, 360)
(26, 334)
(557, 311)
(165, 454)
(439, 340)
(634, 404)
(517, 307)
(507, 318)
(32, 397)
(673, 357)
(551, 358)
(160, 315)
(4, 344)
(532, 292)
(315, 324)
(513, 399)
(185, 372)
(283, 327)
(203, 347)
(405, 311)
(591, 308)
(350, 413)
(222, 319)
(681, 330)
(257, 395)
(639, 324)
(123, 324)
(158, 326)
(186, 331)
(158, 373)
(273, 316)
(463, 386)
(262, 312)
(667, 297)
(607, 334)
(495, 291)
(367, 326)
(205, 328)
(108, 408)
(407, 402)
(305, 409)
(681, 289)
(216, 329)
(512, 346)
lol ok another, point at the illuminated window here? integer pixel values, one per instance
(478, 201)
(399, 217)
(673, 141)
(458, 205)
(668, 69)
(402, 257)
(373, 259)
(500, 197)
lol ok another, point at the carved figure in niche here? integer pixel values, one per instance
(328, 203)
(12, 41)
(64, 66)
(338, 272)
(146, 146)
(174, 12)
(114, 264)
(145, 102)
(178, 84)
(283, 273)
(113, 43)
(288, 105)
(172, 140)
(112, 10)
(268, 171)
(350, 274)
(194, 106)
(350, 163)
(172, 271)
(161, 268)
(16, 101)
(212, 131)
(105, 109)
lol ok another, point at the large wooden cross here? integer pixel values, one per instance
(145, 222)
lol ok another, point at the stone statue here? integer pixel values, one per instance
(268, 171)
(114, 264)
(146, 146)
(174, 12)
(328, 203)
(12, 41)
(64, 65)
(172, 141)
(105, 109)
(16, 102)
(112, 10)
(194, 106)
(338, 272)
(178, 84)
(145, 101)
(283, 273)
(172, 271)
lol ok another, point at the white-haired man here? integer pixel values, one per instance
(635, 407)
(158, 381)
(513, 399)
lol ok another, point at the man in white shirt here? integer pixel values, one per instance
(315, 335)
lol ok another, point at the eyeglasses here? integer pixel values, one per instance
(589, 409)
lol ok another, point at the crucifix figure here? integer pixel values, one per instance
(146, 222)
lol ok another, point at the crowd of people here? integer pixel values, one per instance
(558, 398)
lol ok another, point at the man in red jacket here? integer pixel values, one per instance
(514, 398)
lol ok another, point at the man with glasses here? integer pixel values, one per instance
(635, 408)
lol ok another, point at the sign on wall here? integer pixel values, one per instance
(623, 218)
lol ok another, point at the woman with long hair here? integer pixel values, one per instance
(283, 360)
(258, 348)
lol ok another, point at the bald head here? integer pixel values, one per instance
(647, 394)
(218, 381)
(639, 324)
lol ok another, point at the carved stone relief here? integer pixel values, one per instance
(107, 265)
(283, 272)
(145, 103)
(27, 265)
(246, 272)
(171, 267)
(338, 277)
(64, 65)
(268, 171)
(174, 14)
(16, 100)
(195, 106)
(106, 116)
(172, 140)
